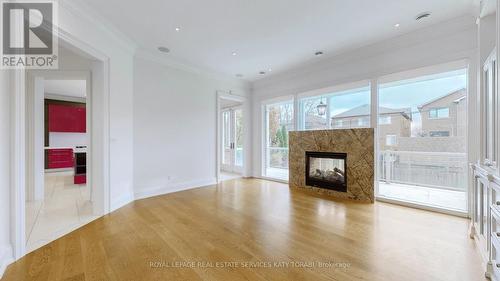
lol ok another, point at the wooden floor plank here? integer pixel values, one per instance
(250, 229)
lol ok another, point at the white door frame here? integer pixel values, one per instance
(100, 139)
(227, 95)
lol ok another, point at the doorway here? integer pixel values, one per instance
(22, 145)
(232, 139)
(60, 141)
(231, 135)
(58, 198)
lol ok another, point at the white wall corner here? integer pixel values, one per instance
(121, 201)
(161, 190)
(6, 258)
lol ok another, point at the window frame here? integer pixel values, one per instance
(437, 110)
(326, 94)
(374, 83)
(265, 126)
(489, 112)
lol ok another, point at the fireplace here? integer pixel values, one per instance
(327, 170)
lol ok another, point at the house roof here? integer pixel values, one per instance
(364, 110)
(458, 99)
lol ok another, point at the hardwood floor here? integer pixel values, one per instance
(244, 226)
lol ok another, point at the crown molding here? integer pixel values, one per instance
(82, 10)
(144, 54)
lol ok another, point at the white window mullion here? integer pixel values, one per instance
(374, 124)
(296, 114)
(328, 114)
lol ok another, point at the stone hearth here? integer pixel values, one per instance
(358, 144)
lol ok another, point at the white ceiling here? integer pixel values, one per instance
(69, 88)
(277, 34)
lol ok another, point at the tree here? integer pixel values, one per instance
(282, 137)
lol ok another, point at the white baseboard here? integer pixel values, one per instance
(160, 190)
(121, 201)
(6, 258)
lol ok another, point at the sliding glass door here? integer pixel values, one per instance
(278, 120)
(422, 135)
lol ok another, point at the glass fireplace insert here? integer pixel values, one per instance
(327, 170)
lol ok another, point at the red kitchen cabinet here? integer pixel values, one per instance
(67, 118)
(80, 179)
(58, 158)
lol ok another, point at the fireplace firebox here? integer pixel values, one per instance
(327, 170)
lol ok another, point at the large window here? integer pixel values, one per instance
(278, 121)
(336, 110)
(421, 131)
(422, 151)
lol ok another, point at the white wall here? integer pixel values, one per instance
(487, 31)
(445, 42)
(174, 127)
(5, 243)
(84, 25)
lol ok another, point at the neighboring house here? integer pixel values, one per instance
(315, 122)
(445, 116)
(393, 123)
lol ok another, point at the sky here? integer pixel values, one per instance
(403, 94)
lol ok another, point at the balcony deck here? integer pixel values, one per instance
(434, 197)
(453, 200)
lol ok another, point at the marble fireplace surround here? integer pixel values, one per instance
(359, 146)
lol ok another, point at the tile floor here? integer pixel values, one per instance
(65, 208)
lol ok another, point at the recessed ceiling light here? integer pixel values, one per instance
(163, 49)
(270, 69)
(239, 75)
(318, 53)
(262, 72)
(423, 15)
(177, 29)
(397, 25)
(234, 53)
